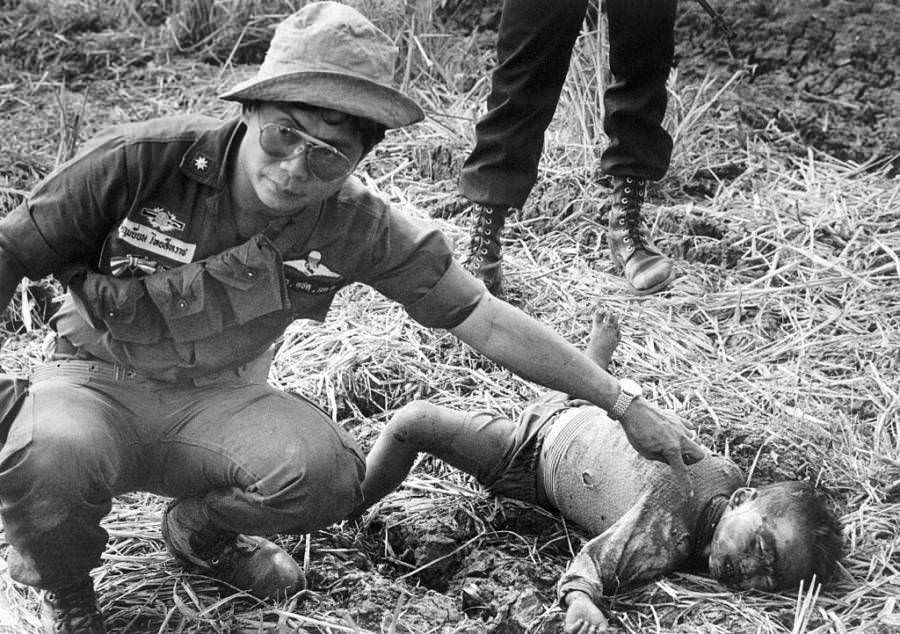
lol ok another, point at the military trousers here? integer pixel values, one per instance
(260, 460)
(535, 42)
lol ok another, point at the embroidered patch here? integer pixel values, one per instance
(312, 266)
(310, 275)
(162, 219)
(155, 241)
(312, 287)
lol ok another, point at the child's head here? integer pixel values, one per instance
(775, 537)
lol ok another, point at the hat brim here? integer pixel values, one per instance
(337, 91)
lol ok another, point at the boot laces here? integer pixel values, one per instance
(632, 197)
(488, 221)
(74, 607)
(483, 229)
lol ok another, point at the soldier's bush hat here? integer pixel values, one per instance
(328, 55)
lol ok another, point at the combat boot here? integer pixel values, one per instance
(484, 257)
(646, 269)
(250, 563)
(72, 610)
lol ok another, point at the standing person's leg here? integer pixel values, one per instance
(70, 449)
(476, 443)
(249, 460)
(641, 51)
(534, 44)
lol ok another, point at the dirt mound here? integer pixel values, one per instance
(820, 73)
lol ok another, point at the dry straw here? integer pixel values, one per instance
(780, 339)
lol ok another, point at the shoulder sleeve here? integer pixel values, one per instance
(67, 216)
(645, 542)
(412, 263)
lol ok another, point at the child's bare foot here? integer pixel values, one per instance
(604, 338)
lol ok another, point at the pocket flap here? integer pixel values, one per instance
(252, 276)
(178, 292)
(245, 265)
(112, 298)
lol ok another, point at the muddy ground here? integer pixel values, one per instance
(822, 74)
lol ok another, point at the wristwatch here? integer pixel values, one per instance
(628, 391)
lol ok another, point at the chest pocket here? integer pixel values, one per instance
(192, 301)
(251, 277)
(186, 301)
(121, 305)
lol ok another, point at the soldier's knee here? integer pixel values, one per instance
(319, 486)
(59, 454)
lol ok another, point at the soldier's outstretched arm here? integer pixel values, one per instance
(520, 343)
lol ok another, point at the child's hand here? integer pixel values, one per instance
(582, 616)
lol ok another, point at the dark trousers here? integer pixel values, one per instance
(258, 460)
(533, 50)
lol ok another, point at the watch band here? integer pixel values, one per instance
(628, 391)
(621, 404)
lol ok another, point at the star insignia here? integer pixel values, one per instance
(201, 163)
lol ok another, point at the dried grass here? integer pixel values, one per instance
(780, 339)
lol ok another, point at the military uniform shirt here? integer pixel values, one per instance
(150, 202)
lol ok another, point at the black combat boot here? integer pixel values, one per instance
(646, 269)
(250, 563)
(484, 256)
(72, 610)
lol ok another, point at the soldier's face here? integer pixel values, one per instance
(294, 158)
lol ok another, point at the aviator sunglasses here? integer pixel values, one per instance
(284, 142)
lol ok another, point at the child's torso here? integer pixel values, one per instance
(593, 476)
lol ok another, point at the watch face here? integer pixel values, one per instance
(630, 387)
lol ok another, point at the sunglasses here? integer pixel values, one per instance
(283, 142)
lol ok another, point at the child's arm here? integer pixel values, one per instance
(644, 543)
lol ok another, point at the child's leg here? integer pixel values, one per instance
(604, 338)
(473, 443)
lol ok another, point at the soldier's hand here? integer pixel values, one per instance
(661, 435)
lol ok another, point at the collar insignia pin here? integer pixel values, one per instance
(201, 163)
